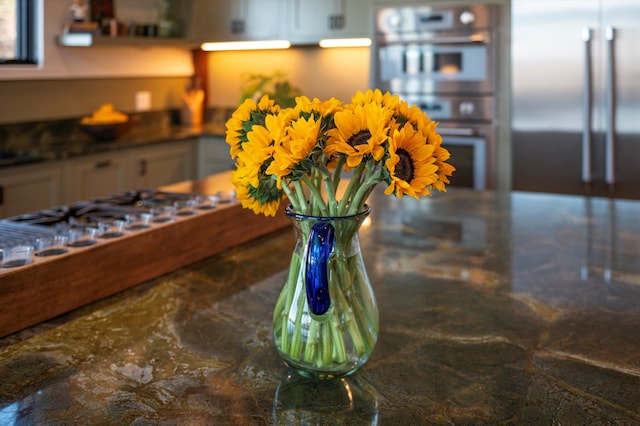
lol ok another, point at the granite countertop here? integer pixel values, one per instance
(495, 308)
(29, 143)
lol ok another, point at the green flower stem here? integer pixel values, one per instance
(292, 196)
(286, 301)
(372, 178)
(331, 196)
(344, 282)
(312, 342)
(294, 271)
(316, 197)
(296, 342)
(327, 347)
(337, 174)
(358, 302)
(339, 353)
(354, 183)
(302, 205)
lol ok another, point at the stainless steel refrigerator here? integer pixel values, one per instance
(576, 96)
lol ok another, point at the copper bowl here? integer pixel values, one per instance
(106, 132)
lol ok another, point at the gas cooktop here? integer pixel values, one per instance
(53, 231)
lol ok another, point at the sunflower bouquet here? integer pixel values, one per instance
(325, 158)
(301, 153)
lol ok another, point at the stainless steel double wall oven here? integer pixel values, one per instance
(444, 61)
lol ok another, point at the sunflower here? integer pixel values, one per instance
(323, 108)
(444, 169)
(255, 188)
(304, 150)
(440, 153)
(359, 131)
(403, 113)
(262, 199)
(410, 166)
(244, 118)
(376, 97)
(292, 154)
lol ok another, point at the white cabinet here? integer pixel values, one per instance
(151, 166)
(313, 20)
(228, 20)
(159, 165)
(24, 189)
(97, 175)
(30, 188)
(213, 156)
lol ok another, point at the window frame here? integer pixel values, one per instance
(26, 28)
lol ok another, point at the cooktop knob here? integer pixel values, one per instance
(466, 108)
(467, 17)
(395, 20)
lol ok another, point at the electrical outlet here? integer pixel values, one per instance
(143, 100)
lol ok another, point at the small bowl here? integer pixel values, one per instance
(106, 132)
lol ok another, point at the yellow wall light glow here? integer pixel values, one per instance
(245, 45)
(345, 42)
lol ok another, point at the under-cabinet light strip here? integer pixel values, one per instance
(345, 42)
(245, 45)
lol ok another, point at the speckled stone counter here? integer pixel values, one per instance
(36, 142)
(515, 308)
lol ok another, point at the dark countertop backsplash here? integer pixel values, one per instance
(37, 141)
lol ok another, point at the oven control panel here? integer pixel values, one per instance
(421, 19)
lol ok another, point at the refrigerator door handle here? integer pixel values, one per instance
(610, 34)
(587, 102)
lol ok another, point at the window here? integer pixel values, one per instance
(17, 32)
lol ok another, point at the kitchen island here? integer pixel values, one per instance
(495, 308)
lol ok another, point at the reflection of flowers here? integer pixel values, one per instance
(302, 152)
(276, 86)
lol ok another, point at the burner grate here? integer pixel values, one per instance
(16, 234)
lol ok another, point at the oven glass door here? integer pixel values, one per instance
(429, 68)
(468, 156)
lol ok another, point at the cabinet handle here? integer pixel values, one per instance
(1, 195)
(336, 22)
(143, 168)
(102, 164)
(237, 26)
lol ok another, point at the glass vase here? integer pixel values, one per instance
(325, 322)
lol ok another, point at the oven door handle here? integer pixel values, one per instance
(471, 39)
(478, 38)
(459, 131)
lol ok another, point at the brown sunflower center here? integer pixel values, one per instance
(359, 138)
(404, 169)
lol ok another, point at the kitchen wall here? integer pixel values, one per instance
(72, 81)
(321, 73)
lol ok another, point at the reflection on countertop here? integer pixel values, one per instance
(496, 308)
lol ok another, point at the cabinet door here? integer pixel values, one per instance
(96, 176)
(164, 164)
(29, 188)
(213, 156)
(228, 20)
(313, 20)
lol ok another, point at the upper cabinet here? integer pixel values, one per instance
(299, 21)
(313, 20)
(232, 20)
(197, 21)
